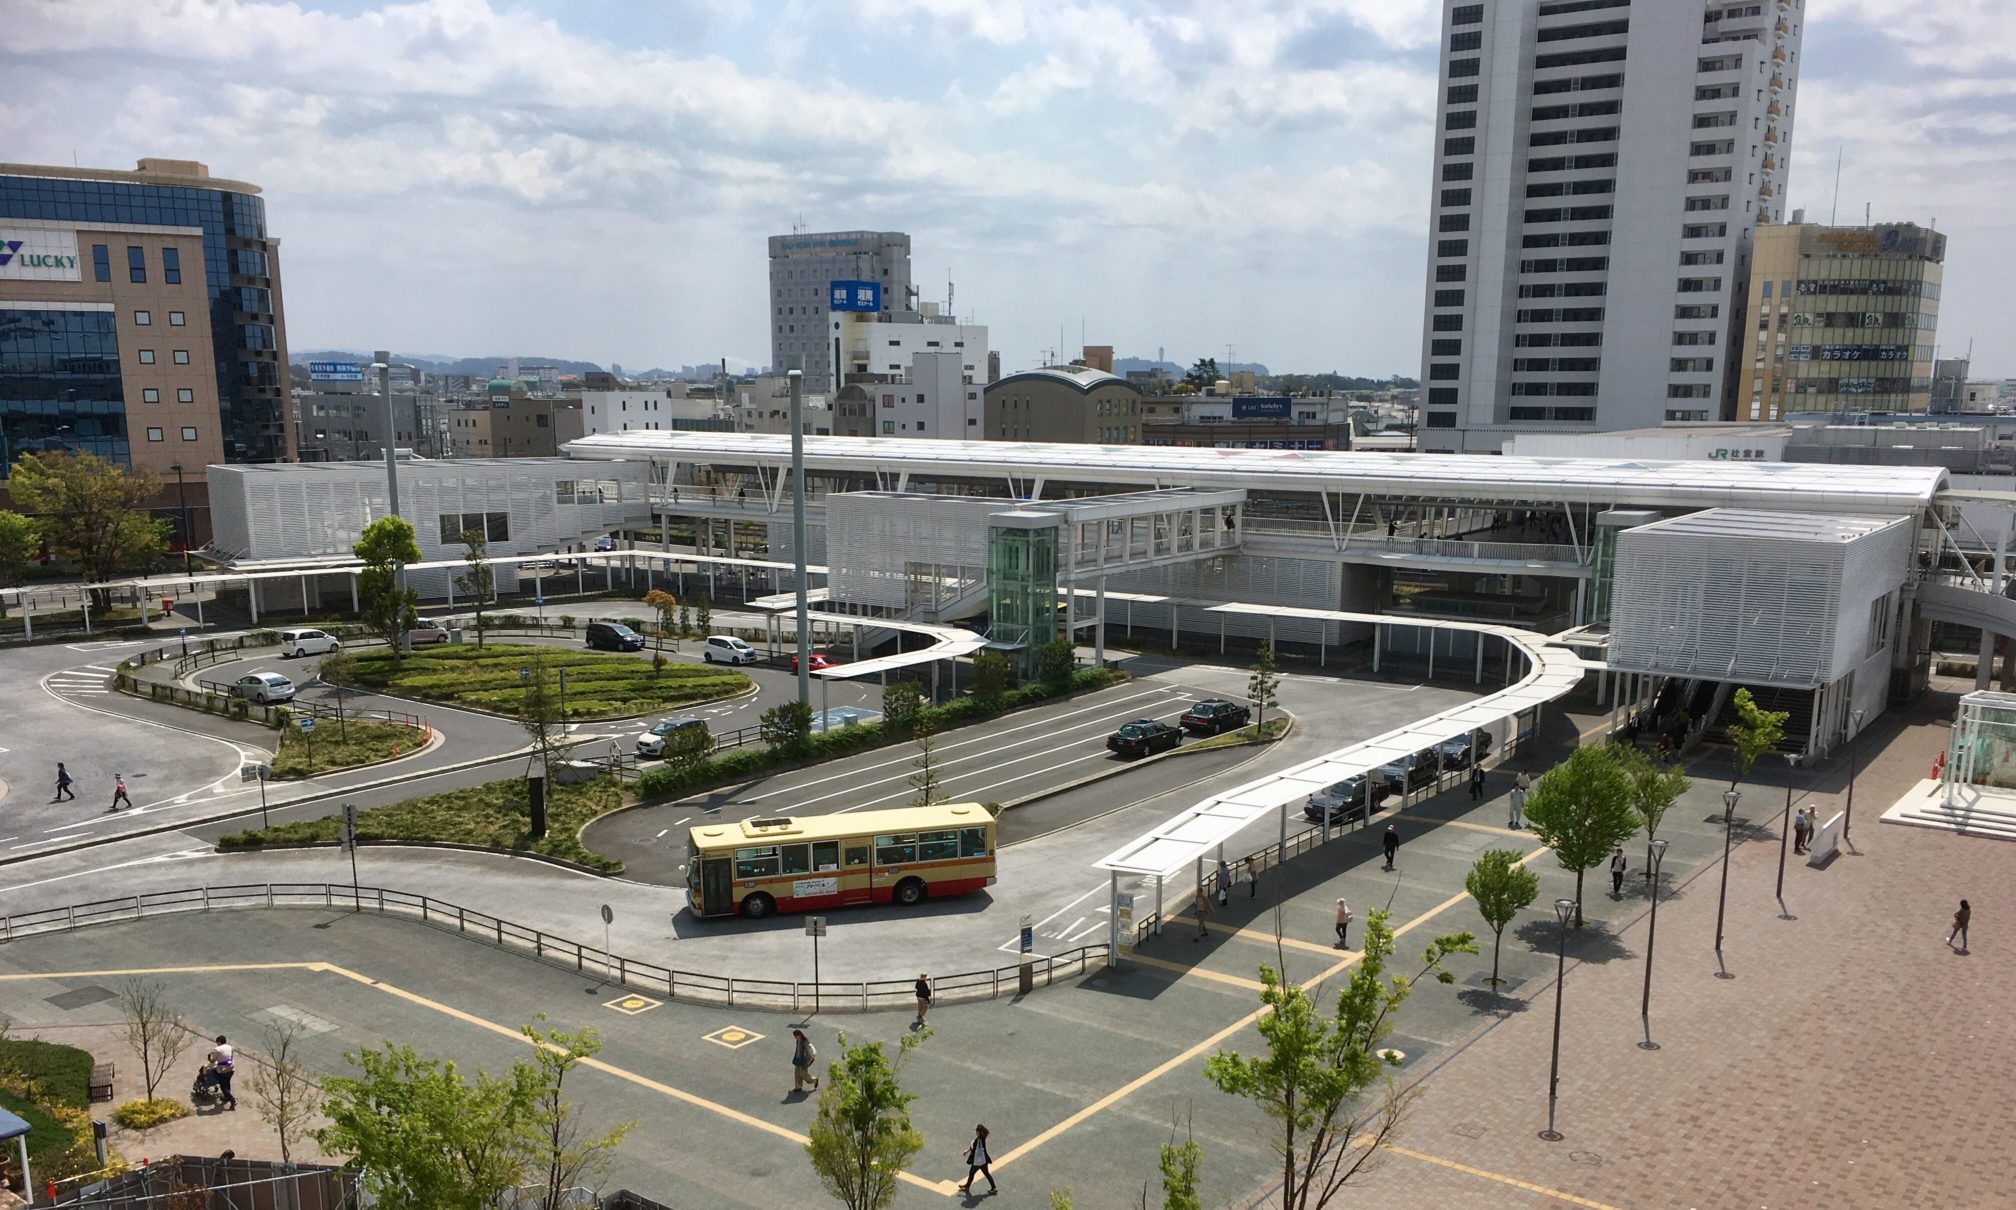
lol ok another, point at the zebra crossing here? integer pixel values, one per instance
(91, 680)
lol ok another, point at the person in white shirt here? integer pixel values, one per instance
(222, 1056)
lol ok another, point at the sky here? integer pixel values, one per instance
(595, 180)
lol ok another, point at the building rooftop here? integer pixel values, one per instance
(1754, 524)
(187, 174)
(1085, 378)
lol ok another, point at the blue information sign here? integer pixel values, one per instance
(335, 371)
(854, 296)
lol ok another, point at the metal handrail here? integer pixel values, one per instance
(696, 986)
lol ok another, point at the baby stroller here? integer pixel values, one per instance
(209, 1085)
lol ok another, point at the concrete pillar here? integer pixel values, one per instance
(28, 616)
(1984, 661)
(353, 598)
(1112, 918)
(1477, 638)
(1431, 653)
(251, 594)
(1158, 905)
(1174, 611)
(304, 596)
(1099, 623)
(1378, 633)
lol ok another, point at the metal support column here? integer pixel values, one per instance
(1099, 622)
(1112, 918)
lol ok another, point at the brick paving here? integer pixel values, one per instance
(1855, 1061)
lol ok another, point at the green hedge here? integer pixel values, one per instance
(63, 1071)
(599, 684)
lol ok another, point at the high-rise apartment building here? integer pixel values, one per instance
(1844, 319)
(803, 270)
(1600, 166)
(140, 317)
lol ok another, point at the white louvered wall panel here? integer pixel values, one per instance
(1255, 579)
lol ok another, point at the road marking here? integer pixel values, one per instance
(1266, 938)
(223, 969)
(100, 668)
(1480, 827)
(1499, 1177)
(1185, 972)
(661, 834)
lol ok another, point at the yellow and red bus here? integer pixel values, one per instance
(905, 855)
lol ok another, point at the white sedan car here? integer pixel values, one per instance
(265, 688)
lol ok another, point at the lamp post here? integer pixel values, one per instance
(182, 505)
(1729, 798)
(1854, 746)
(1564, 909)
(1651, 938)
(382, 362)
(797, 380)
(1785, 834)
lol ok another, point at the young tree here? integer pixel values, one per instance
(1655, 787)
(539, 713)
(1755, 732)
(423, 1137)
(154, 1030)
(1180, 1163)
(1055, 661)
(787, 727)
(284, 1089)
(560, 1154)
(1502, 888)
(1316, 1065)
(20, 542)
(703, 614)
(901, 701)
(990, 675)
(685, 620)
(861, 1137)
(665, 605)
(384, 546)
(1263, 687)
(93, 512)
(1581, 808)
(925, 779)
(478, 579)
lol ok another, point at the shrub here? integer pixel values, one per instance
(991, 672)
(1055, 662)
(900, 703)
(143, 1114)
(63, 1072)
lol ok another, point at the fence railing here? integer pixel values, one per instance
(554, 950)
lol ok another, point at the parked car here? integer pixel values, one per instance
(1213, 715)
(1347, 799)
(614, 636)
(726, 649)
(819, 661)
(298, 643)
(1412, 772)
(651, 744)
(1457, 751)
(605, 544)
(425, 631)
(265, 688)
(1143, 737)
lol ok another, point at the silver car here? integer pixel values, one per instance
(265, 688)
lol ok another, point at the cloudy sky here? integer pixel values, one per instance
(595, 179)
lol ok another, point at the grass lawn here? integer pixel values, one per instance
(1275, 728)
(599, 684)
(64, 1075)
(496, 814)
(367, 744)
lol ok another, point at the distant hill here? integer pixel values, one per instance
(1124, 366)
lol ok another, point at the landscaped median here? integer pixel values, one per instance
(344, 744)
(1265, 733)
(496, 677)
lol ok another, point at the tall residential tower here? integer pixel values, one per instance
(803, 268)
(1600, 166)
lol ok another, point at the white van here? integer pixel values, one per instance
(727, 649)
(298, 643)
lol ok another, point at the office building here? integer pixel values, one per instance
(908, 374)
(619, 411)
(1845, 318)
(1599, 169)
(511, 422)
(804, 268)
(1063, 403)
(140, 317)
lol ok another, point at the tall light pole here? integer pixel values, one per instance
(1854, 747)
(382, 362)
(182, 501)
(1564, 909)
(797, 380)
(1785, 834)
(1729, 798)
(1658, 854)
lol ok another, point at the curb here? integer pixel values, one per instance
(1145, 761)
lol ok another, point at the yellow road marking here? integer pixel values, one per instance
(1484, 827)
(1198, 971)
(1251, 934)
(1501, 1178)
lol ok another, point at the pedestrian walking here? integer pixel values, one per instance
(1224, 882)
(1202, 907)
(222, 1056)
(63, 783)
(1960, 919)
(1249, 873)
(119, 794)
(977, 1159)
(1802, 831)
(1343, 922)
(1617, 867)
(1516, 801)
(1476, 782)
(802, 1055)
(923, 990)
(1392, 843)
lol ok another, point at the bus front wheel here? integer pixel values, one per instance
(759, 905)
(910, 892)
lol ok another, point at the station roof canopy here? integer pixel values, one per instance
(1788, 486)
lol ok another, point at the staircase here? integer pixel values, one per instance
(1796, 703)
(1925, 808)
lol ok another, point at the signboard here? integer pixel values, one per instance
(259, 772)
(335, 371)
(1126, 921)
(814, 886)
(1826, 841)
(1028, 940)
(306, 724)
(854, 296)
(1260, 407)
(815, 926)
(1737, 455)
(37, 253)
(608, 914)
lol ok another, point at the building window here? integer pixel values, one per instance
(150, 395)
(1444, 371)
(1463, 69)
(1448, 273)
(1461, 119)
(184, 395)
(1453, 222)
(188, 432)
(136, 263)
(1465, 145)
(1441, 420)
(176, 319)
(154, 434)
(1454, 247)
(1455, 197)
(181, 357)
(146, 357)
(1442, 396)
(888, 426)
(1445, 348)
(142, 319)
(1448, 323)
(171, 266)
(1461, 94)
(1467, 14)
(495, 527)
(1457, 172)
(1470, 40)
(101, 263)
(1448, 298)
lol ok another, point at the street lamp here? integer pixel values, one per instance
(383, 363)
(1854, 746)
(1651, 939)
(1785, 834)
(1564, 910)
(182, 505)
(1729, 798)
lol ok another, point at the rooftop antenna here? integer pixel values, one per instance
(1865, 214)
(950, 313)
(1835, 213)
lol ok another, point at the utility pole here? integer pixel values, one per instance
(797, 380)
(382, 362)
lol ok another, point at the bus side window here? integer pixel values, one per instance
(758, 862)
(972, 842)
(896, 850)
(794, 859)
(826, 855)
(857, 854)
(937, 846)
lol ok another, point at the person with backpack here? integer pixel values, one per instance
(803, 1055)
(977, 1160)
(923, 990)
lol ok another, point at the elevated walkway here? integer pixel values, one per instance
(1966, 601)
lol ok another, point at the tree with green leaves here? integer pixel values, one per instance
(685, 620)
(665, 605)
(901, 700)
(1263, 687)
(540, 712)
(1502, 888)
(93, 513)
(703, 614)
(1316, 1064)
(424, 1138)
(1055, 661)
(478, 580)
(1581, 808)
(20, 543)
(1180, 1164)
(1755, 732)
(925, 780)
(385, 546)
(787, 727)
(686, 747)
(991, 672)
(561, 1153)
(861, 1136)
(1203, 374)
(1655, 787)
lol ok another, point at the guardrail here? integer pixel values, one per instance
(694, 986)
